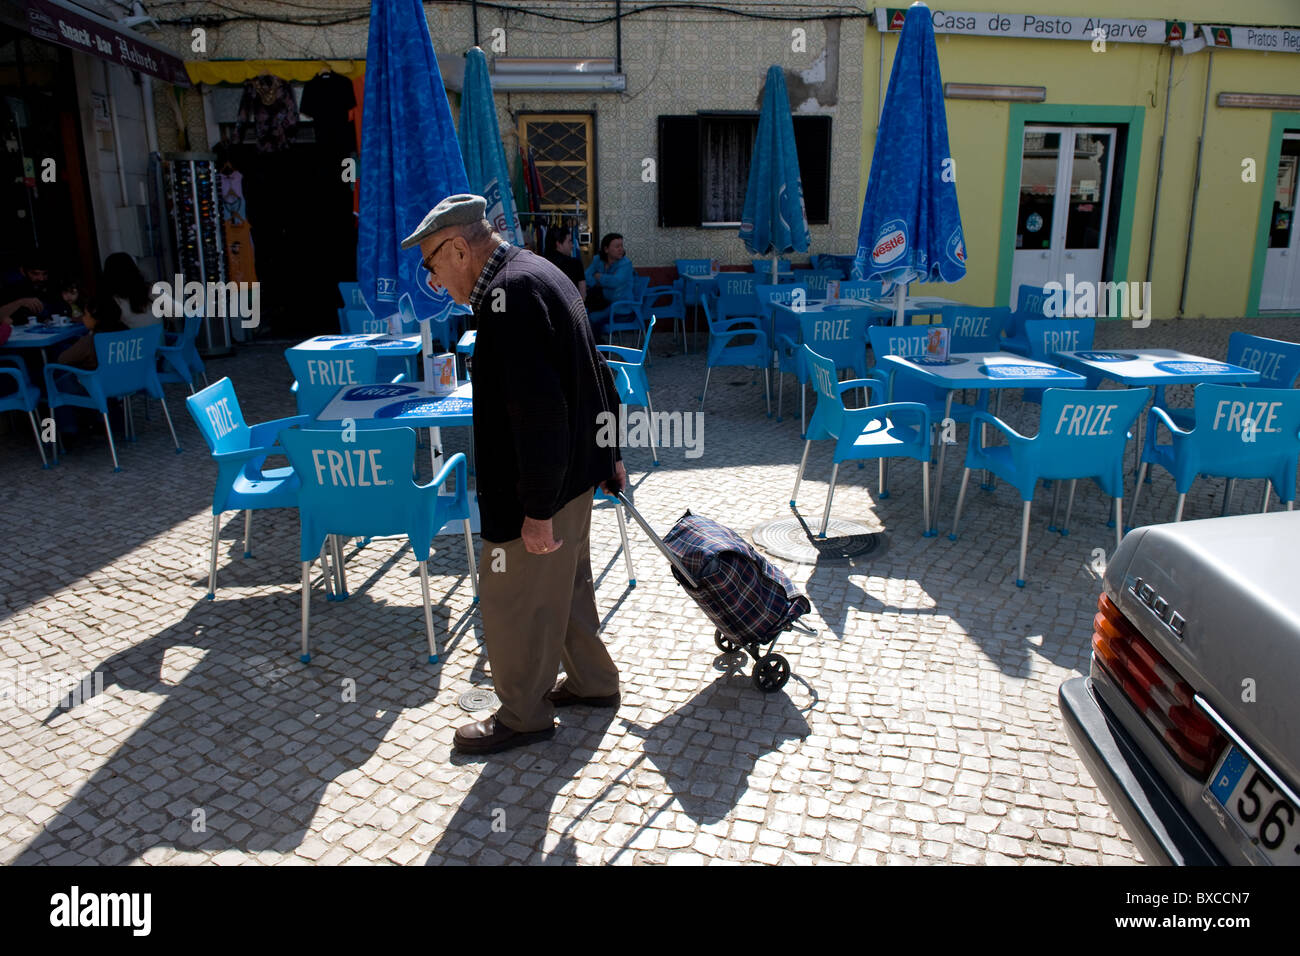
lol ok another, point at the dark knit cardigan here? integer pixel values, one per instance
(539, 389)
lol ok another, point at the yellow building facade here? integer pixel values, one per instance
(1070, 178)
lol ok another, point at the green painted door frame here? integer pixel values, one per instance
(1281, 123)
(1022, 113)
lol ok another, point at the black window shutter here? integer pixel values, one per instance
(812, 141)
(678, 173)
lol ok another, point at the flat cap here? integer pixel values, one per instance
(459, 210)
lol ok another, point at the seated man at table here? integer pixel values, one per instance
(31, 293)
(540, 388)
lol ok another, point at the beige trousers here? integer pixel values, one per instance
(539, 610)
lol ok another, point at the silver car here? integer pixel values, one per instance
(1189, 720)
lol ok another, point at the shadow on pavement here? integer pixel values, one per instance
(242, 733)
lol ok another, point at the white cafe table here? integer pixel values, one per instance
(402, 346)
(982, 371)
(1158, 367)
(413, 404)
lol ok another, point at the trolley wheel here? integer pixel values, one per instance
(726, 644)
(771, 673)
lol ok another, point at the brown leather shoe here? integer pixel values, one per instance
(562, 697)
(490, 736)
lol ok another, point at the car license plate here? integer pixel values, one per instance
(1264, 814)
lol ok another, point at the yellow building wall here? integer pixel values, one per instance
(1125, 75)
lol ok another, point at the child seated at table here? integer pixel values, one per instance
(70, 290)
(100, 316)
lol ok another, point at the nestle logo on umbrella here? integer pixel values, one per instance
(892, 245)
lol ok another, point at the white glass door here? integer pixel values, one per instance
(1065, 194)
(1281, 285)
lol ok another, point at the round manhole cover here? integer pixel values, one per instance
(478, 699)
(795, 539)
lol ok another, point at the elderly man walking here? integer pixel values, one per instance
(539, 387)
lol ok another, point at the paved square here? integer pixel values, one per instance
(920, 725)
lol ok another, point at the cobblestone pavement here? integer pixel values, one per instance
(920, 726)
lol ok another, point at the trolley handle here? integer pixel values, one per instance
(650, 532)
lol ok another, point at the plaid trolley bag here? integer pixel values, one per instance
(749, 599)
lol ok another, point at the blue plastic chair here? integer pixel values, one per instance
(862, 289)
(910, 340)
(630, 378)
(1081, 434)
(362, 487)
(816, 281)
(240, 451)
(319, 374)
(24, 398)
(1277, 361)
(1031, 303)
(653, 303)
(1236, 433)
(974, 329)
(622, 315)
(840, 335)
(636, 320)
(626, 392)
(789, 293)
(825, 262)
(739, 284)
(179, 360)
(875, 432)
(128, 364)
(734, 343)
(691, 291)
(1049, 336)
(352, 297)
(361, 322)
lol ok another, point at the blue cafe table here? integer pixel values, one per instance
(402, 346)
(981, 371)
(413, 404)
(42, 337)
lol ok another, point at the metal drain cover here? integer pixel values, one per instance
(478, 699)
(795, 539)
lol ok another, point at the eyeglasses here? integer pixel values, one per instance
(427, 260)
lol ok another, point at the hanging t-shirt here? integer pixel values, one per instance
(237, 231)
(269, 107)
(327, 98)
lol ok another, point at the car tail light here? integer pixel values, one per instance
(1164, 699)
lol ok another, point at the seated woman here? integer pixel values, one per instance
(609, 277)
(123, 280)
(559, 251)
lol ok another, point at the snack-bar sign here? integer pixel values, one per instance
(52, 22)
(1030, 25)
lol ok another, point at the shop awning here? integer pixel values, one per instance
(300, 71)
(61, 22)
(213, 72)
